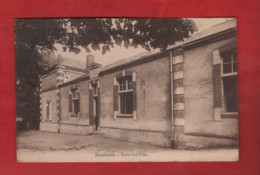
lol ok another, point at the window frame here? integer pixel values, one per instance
(233, 51)
(74, 98)
(94, 86)
(117, 93)
(124, 92)
(94, 99)
(50, 109)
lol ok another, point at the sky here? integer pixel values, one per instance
(118, 52)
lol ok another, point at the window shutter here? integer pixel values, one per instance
(98, 112)
(115, 97)
(78, 102)
(217, 86)
(70, 102)
(134, 95)
(91, 112)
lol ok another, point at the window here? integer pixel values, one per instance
(94, 101)
(229, 62)
(229, 79)
(126, 95)
(74, 106)
(95, 89)
(48, 111)
(225, 82)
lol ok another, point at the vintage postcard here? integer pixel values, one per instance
(126, 89)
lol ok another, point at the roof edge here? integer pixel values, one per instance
(57, 66)
(211, 38)
(141, 60)
(201, 41)
(77, 80)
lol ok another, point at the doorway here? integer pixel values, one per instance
(96, 113)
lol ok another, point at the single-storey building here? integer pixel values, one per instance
(183, 97)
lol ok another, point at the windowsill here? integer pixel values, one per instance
(46, 120)
(229, 115)
(124, 91)
(124, 116)
(229, 74)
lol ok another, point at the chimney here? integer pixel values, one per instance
(89, 61)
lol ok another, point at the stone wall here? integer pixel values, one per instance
(198, 142)
(49, 126)
(76, 129)
(141, 136)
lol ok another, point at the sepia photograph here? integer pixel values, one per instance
(126, 89)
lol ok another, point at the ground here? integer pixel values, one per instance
(37, 146)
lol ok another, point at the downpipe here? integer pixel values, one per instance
(59, 119)
(172, 115)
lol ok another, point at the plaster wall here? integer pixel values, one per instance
(72, 74)
(49, 81)
(83, 119)
(152, 98)
(141, 136)
(198, 96)
(52, 97)
(75, 129)
(49, 126)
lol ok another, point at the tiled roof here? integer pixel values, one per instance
(73, 63)
(203, 34)
(129, 59)
(230, 24)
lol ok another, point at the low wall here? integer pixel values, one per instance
(199, 142)
(49, 127)
(75, 129)
(141, 136)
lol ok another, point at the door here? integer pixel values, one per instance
(96, 113)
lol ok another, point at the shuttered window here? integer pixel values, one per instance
(91, 106)
(126, 95)
(74, 102)
(229, 78)
(48, 111)
(94, 102)
(124, 91)
(225, 86)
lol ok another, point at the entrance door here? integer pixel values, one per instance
(96, 113)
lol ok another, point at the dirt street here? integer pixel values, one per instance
(36, 146)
